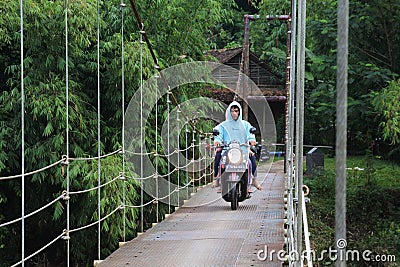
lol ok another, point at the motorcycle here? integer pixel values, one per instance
(234, 172)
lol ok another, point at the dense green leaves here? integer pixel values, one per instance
(184, 34)
(387, 103)
(373, 62)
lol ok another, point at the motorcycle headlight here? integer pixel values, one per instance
(235, 156)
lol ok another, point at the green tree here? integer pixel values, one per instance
(366, 71)
(183, 36)
(387, 103)
(45, 124)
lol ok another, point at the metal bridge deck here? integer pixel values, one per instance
(200, 234)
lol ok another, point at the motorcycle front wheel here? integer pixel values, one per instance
(235, 196)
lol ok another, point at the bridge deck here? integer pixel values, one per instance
(206, 232)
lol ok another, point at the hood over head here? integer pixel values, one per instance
(228, 115)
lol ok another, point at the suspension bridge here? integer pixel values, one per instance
(202, 231)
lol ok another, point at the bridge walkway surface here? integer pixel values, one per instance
(206, 232)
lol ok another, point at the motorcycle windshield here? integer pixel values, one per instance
(244, 149)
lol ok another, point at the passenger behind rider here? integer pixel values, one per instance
(235, 128)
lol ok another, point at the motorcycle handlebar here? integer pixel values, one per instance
(223, 145)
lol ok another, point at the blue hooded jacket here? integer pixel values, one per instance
(231, 130)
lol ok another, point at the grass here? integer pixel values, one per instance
(373, 208)
(374, 170)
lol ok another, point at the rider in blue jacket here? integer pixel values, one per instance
(235, 128)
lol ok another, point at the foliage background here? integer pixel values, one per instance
(186, 31)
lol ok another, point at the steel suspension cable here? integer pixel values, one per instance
(67, 237)
(33, 172)
(193, 141)
(138, 153)
(66, 160)
(144, 178)
(341, 129)
(22, 136)
(306, 232)
(123, 118)
(186, 155)
(186, 185)
(96, 222)
(142, 142)
(199, 161)
(98, 134)
(168, 152)
(62, 196)
(289, 156)
(204, 159)
(156, 157)
(141, 205)
(40, 250)
(290, 120)
(96, 187)
(300, 122)
(98, 157)
(178, 139)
